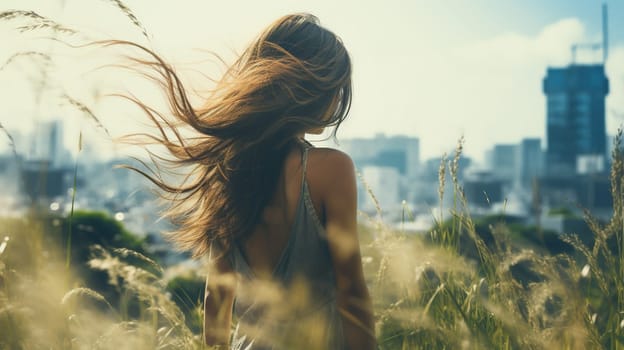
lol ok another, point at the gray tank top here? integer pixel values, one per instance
(306, 256)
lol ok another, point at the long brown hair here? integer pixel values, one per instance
(295, 77)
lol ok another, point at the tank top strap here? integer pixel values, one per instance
(304, 163)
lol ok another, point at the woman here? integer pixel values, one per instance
(264, 203)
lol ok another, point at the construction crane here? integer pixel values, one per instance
(604, 45)
(589, 46)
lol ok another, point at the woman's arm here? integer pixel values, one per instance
(218, 301)
(340, 201)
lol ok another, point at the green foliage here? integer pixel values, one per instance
(187, 291)
(562, 211)
(90, 228)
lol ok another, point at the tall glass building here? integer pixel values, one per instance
(575, 126)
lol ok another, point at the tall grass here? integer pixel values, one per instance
(426, 293)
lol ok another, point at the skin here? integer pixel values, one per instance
(331, 178)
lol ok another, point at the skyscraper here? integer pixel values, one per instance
(503, 162)
(529, 161)
(394, 157)
(400, 152)
(48, 143)
(575, 126)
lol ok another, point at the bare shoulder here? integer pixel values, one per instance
(330, 173)
(330, 162)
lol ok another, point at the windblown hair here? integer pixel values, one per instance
(295, 77)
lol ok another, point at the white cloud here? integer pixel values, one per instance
(550, 46)
(615, 100)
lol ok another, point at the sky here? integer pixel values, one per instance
(436, 70)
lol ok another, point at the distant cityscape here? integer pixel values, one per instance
(524, 179)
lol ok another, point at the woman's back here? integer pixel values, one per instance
(290, 247)
(264, 247)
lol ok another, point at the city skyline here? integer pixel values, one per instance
(433, 71)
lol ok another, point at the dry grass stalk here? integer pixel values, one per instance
(126, 10)
(371, 194)
(87, 111)
(85, 292)
(124, 252)
(33, 54)
(13, 14)
(455, 163)
(11, 140)
(442, 183)
(47, 24)
(40, 22)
